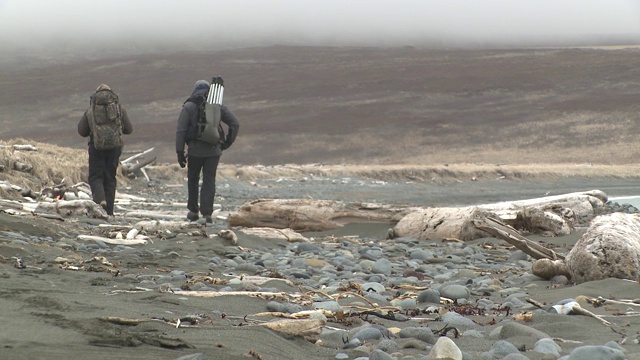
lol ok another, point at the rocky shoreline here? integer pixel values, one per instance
(190, 294)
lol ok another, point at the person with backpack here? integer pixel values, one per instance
(199, 115)
(104, 122)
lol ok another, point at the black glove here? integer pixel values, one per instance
(225, 145)
(182, 160)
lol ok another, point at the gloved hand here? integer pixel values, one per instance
(225, 145)
(182, 160)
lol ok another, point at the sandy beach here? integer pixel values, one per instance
(102, 301)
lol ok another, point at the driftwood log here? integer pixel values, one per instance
(440, 223)
(22, 147)
(112, 241)
(551, 215)
(311, 215)
(609, 248)
(136, 162)
(309, 329)
(548, 263)
(152, 226)
(275, 234)
(572, 204)
(69, 208)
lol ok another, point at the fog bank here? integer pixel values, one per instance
(63, 27)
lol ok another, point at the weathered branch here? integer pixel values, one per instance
(503, 231)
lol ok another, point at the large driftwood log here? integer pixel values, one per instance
(551, 215)
(311, 215)
(609, 248)
(578, 203)
(137, 162)
(440, 223)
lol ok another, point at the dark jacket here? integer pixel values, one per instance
(84, 130)
(188, 119)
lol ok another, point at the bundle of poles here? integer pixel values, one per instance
(216, 91)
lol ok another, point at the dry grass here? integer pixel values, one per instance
(51, 164)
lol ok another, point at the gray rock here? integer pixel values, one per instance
(421, 333)
(513, 328)
(372, 286)
(429, 296)
(455, 292)
(515, 357)
(369, 333)
(595, 352)
(380, 355)
(547, 346)
(445, 348)
(502, 348)
(405, 304)
(382, 266)
(308, 247)
(330, 305)
(455, 319)
(388, 346)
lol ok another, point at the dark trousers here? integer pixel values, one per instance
(103, 166)
(208, 167)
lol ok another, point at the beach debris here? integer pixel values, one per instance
(155, 226)
(131, 165)
(610, 247)
(501, 230)
(18, 263)
(286, 234)
(309, 329)
(69, 208)
(21, 147)
(107, 240)
(95, 264)
(600, 301)
(311, 215)
(22, 167)
(548, 263)
(254, 354)
(267, 295)
(228, 235)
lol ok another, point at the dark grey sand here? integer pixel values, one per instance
(51, 313)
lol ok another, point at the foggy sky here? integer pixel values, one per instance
(65, 23)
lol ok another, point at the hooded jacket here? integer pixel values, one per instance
(188, 119)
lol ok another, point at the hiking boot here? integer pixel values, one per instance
(208, 219)
(192, 216)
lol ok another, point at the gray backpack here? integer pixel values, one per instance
(105, 120)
